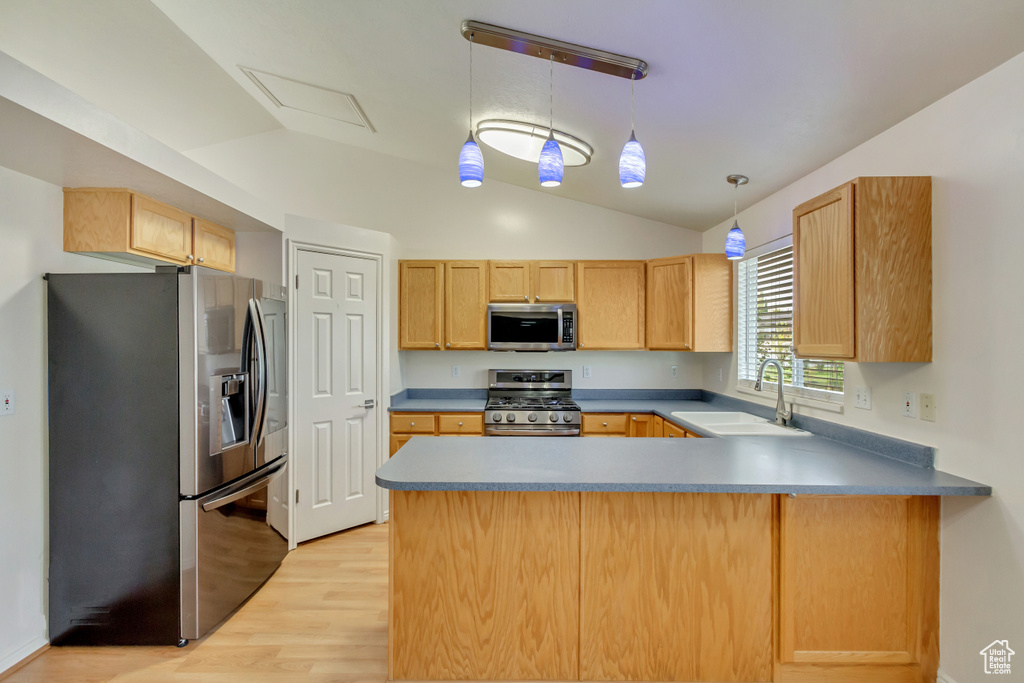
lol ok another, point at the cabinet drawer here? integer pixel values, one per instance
(604, 423)
(412, 423)
(461, 423)
(672, 431)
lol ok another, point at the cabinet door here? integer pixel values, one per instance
(823, 293)
(554, 281)
(670, 304)
(509, 281)
(659, 427)
(420, 304)
(611, 304)
(673, 431)
(161, 230)
(465, 305)
(641, 424)
(399, 440)
(859, 587)
(214, 245)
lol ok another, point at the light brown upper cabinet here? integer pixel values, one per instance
(442, 304)
(214, 245)
(689, 303)
(532, 281)
(611, 304)
(862, 272)
(465, 305)
(122, 225)
(420, 304)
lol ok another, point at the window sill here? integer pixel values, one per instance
(771, 396)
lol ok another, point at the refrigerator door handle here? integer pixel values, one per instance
(261, 378)
(247, 488)
(264, 370)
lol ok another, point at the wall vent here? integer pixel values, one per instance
(291, 94)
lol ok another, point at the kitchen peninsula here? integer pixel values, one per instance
(554, 558)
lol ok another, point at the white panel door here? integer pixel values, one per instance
(336, 372)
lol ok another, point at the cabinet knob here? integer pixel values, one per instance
(526, 298)
(412, 424)
(581, 345)
(202, 258)
(460, 424)
(536, 298)
(190, 257)
(437, 345)
(448, 345)
(605, 424)
(686, 346)
(634, 419)
(671, 436)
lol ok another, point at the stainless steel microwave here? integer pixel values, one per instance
(531, 327)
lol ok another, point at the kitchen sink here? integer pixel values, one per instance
(737, 424)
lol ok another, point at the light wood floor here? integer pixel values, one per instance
(322, 617)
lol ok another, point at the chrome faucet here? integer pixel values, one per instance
(781, 414)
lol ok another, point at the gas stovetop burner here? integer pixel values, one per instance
(531, 403)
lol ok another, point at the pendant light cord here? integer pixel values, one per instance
(632, 102)
(551, 101)
(735, 187)
(470, 82)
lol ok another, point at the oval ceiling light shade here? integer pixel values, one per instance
(471, 164)
(735, 243)
(526, 140)
(550, 166)
(632, 163)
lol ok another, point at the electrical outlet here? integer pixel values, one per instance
(675, 370)
(928, 407)
(862, 398)
(455, 371)
(6, 401)
(586, 372)
(909, 404)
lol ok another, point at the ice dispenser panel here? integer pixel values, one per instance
(230, 424)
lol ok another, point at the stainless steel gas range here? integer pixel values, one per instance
(530, 403)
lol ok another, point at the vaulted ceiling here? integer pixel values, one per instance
(768, 88)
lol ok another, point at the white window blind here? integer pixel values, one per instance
(766, 329)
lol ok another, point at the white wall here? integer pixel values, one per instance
(260, 255)
(31, 232)
(972, 144)
(609, 369)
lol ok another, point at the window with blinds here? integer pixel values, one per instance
(766, 329)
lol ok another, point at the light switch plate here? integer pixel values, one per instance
(455, 370)
(862, 398)
(675, 370)
(586, 371)
(928, 407)
(909, 404)
(6, 401)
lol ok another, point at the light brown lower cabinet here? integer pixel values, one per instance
(615, 586)
(603, 424)
(631, 424)
(404, 426)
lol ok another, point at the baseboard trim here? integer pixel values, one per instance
(22, 656)
(944, 677)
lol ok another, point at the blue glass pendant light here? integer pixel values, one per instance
(471, 160)
(551, 166)
(632, 161)
(735, 242)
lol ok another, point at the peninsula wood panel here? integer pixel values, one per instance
(670, 304)
(893, 269)
(858, 588)
(465, 305)
(420, 304)
(214, 245)
(161, 230)
(612, 304)
(484, 585)
(553, 281)
(823, 293)
(509, 281)
(676, 587)
(712, 302)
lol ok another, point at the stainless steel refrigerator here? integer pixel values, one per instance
(167, 423)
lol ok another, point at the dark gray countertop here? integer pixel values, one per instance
(734, 465)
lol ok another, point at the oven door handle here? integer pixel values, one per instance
(490, 431)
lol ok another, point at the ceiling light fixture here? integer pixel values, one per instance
(471, 160)
(551, 166)
(525, 140)
(735, 242)
(632, 161)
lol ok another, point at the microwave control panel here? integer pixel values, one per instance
(567, 328)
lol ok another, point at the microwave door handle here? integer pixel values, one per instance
(257, 336)
(561, 329)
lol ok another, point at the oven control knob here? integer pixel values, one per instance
(511, 417)
(496, 417)
(567, 417)
(532, 417)
(554, 417)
